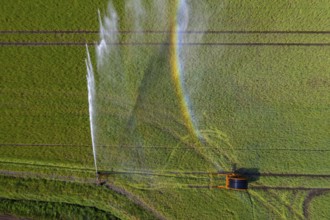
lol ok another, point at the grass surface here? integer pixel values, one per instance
(262, 107)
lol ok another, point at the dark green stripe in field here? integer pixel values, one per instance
(50, 210)
(66, 197)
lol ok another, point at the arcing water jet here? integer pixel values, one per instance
(91, 101)
(124, 114)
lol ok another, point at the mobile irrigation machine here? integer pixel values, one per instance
(233, 180)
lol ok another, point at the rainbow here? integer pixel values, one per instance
(176, 33)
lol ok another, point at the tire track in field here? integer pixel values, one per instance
(265, 188)
(162, 32)
(158, 147)
(48, 32)
(136, 200)
(309, 198)
(265, 174)
(48, 166)
(314, 192)
(274, 195)
(180, 173)
(113, 188)
(216, 173)
(294, 175)
(52, 177)
(288, 188)
(41, 145)
(212, 32)
(252, 44)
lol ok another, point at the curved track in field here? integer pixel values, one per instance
(312, 191)
(311, 195)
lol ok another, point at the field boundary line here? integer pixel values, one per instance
(288, 188)
(253, 44)
(41, 145)
(170, 172)
(52, 177)
(159, 147)
(266, 174)
(266, 187)
(164, 32)
(48, 166)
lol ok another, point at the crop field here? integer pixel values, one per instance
(258, 77)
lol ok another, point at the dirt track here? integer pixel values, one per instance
(135, 200)
(311, 195)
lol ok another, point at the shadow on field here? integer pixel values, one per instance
(252, 174)
(153, 77)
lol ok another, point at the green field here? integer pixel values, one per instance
(259, 88)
